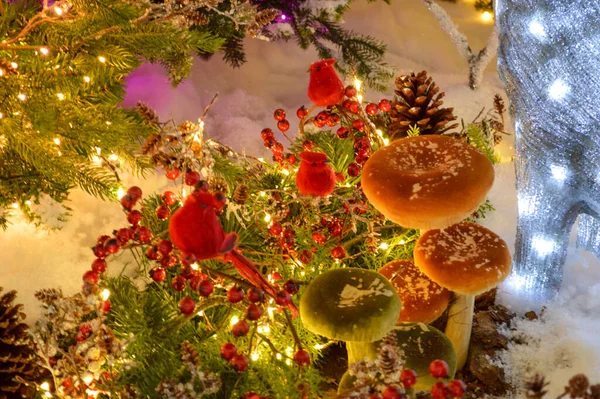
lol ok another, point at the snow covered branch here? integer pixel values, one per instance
(477, 61)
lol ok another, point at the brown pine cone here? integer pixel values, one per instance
(17, 357)
(189, 353)
(578, 386)
(146, 112)
(218, 185)
(241, 194)
(417, 103)
(196, 18)
(264, 17)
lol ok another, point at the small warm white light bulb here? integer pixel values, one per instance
(200, 313)
(15, 205)
(278, 356)
(487, 16)
(285, 172)
(357, 84)
(383, 246)
(108, 123)
(1, 115)
(87, 79)
(58, 11)
(254, 356)
(386, 141)
(45, 386)
(401, 242)
(14, 65)
(44, 51)
(22, 97)
(56, 141)
(234, 320)
(113, 157)
(359, 98)
(120, 193)
(47, 394)
(101, 59)
(60, 96)
(105, 294)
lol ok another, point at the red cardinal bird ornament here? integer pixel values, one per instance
(195, 229)
(325, 87)
(315, 176)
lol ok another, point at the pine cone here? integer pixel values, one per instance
(578, 386)
(535, 387)
(417, 103)
(146, 112)
(265, 16)
(189, 353)
(218, 185)
(17, 358)
(6, 68)
(197, 18)
(241, 194)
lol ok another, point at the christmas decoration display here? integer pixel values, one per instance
(215, 265)
(477, 61)
(579, 387)
(18, 369)
(555, 139)
(62, 61)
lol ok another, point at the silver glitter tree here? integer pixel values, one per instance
(549, 60)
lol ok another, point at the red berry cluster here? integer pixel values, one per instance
(191, 177)
(440, 390)
(327, 117)
(271, 142)
(334, 228)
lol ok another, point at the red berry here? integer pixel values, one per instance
(305, 256)
(333, 119)
(123, 235)
(318, 238)
(456, 388)
(256, 294)
(102, 239)
(392, 392)
(276, 276)
(112, 246)
(291, 158)
(85, 329)
(338, 253)
(439, 391)
(339, 176)
(134, 217)
(187, 258)
(302, 358)
(206, 288)
(408, 377)
(135, 193)
(127, 202)
(228, 350)
(307, 145)
(169, 198)
(346, 104)
(279, 114)
(143, 234)
(165, 247)
(283, 298)
(168, 261)
(251, 395)
(277, 148)
(358, 124)
(195, 282)
(302, 112)
(163, 212)
(355, 107)
(99, 266)
(361, 159)
(240, 329)
(192, 177)
(438, 369)
(172, 174)
(371, 109)
(254, 312)
(291, 286)
(158, 274)
(342, 132)
(235, 294)
(287, 241)
(350, 91)
(187, 305)
(90, 277)
(106, 306)
(385, 106)
(353, 169)
(99, 251)
(267, 134)
(362, 144)
(335, 228)
(239, 363)
(269, 143)
(152, 253)
(202, 186)
(178, 283)
(275, 228)
(283, 125)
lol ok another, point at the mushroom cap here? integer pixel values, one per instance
(350, 304)
(466, 258)
(423, 300)
(427, 182)
(346, 383)
(421, 344)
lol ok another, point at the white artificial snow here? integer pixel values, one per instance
(275, 76)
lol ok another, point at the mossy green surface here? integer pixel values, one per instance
(421, 344)
(350, 304)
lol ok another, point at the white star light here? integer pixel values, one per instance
(537, 29)
(559, 89)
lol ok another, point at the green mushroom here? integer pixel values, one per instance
(346, 383)
(350, 304)
(421, 344)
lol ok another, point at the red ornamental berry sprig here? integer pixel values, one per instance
(440, 390)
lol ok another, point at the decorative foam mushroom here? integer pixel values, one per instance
(468, 259)
(427, 182)
(350, 304)
(423, 300)
(421, 344)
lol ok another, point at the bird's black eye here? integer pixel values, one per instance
(318, 68)
(314, 164)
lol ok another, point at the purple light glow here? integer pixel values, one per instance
(283, 17)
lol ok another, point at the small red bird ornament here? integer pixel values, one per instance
(315, 176)
(325, 87)
(195, 229)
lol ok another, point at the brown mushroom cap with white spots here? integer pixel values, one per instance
(423, 300)
(465, 258)
(427, 182)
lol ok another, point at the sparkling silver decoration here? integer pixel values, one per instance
(549, 60)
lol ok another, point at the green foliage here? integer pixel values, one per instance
(481, 136)
(484, 5)
(61, 105)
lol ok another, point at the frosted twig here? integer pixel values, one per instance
(477, 61)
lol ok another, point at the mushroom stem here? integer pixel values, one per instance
(460, 323)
